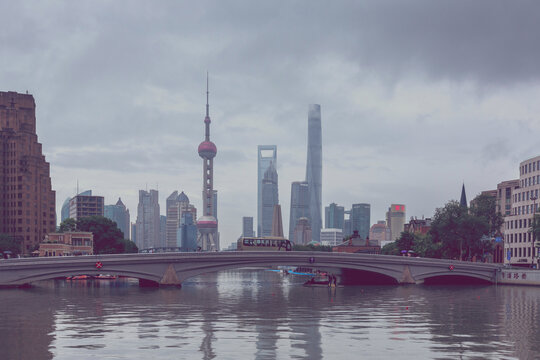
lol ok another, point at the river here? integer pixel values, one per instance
(257, 314)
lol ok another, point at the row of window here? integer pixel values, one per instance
(519, 237)
(530, 181)
(526, 195)
(530, 167)
(520, 252)
(518, 224)
(525, 209)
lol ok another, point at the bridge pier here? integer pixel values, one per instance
(170, 278)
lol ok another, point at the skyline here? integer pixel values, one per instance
(418, 98)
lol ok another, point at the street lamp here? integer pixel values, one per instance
(533, 198)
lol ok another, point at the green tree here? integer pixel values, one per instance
(425, 247)
(459, 232)
(68, 225)
(485, 207)
(10, 243)
(390, 249)
(311, 247)
(405, 242)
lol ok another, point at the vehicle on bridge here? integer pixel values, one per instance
(265, 243)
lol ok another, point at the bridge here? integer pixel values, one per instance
(175, 268)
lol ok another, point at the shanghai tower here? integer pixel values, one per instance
(207, 224)
(314, 169)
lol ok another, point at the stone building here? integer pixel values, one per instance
(27, 201)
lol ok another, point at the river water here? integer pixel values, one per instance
(257, 314)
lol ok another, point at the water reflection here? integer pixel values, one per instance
(265, 315)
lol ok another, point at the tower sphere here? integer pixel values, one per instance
(207, 150)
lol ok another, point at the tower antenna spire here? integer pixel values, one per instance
(207, 106)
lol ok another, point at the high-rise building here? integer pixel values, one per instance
(27, 204)
(277, 222)
(299, 205)
(334, 216)
(247, 226)
(519, 241)
(177, 204)
(133, 232)
(360, 219)
(302, 232)
(85, 204)
(187, 233)
(162, 232)
(314, 169)
(207, 224)
(380, 232)
(395, 219)
(119, 214)
(64, 214)
(270, 198)
(266, 155)
(148, 224)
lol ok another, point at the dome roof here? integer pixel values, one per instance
(183, 197)
(207, 149)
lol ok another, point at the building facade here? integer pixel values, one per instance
(519, 242)
(395, 219)
(120, 215)
(270, 198)
(360, 219)
(266, 155)
(27, 201)
(177, 205)
(148, 221)
(380, 233)
(314, 169)
(334, 216)
(302, 232)
(64, 213)
(85, 204)
(331, 237)
(299, 205)
(247, 226)
(67, 244)
(187, 233)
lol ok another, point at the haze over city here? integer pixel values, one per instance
(416, 98)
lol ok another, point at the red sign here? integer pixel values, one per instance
(451, 267)
(99, 265)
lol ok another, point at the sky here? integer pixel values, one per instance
(417, 97)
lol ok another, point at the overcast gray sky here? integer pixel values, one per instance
(416, 96)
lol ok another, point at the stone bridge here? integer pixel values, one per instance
(174, 268)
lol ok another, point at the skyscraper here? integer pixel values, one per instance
(334, 216)
(270, 198)
(247, 226)
(85, 204)
(360, 219)
(207, 224)
(395, 219)
(299, 205)
(27, 203)
(187, 233)
(148, 224)
(65, 210)
(266, 155)
(314, 169)
(119, 214)
(177, 204)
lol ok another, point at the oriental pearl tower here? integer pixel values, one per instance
(207, 223)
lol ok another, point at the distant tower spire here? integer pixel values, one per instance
(207, 106)
(463, 201)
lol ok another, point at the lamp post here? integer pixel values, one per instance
(533, 198)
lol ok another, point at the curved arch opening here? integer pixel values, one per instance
(363, 277)
(455, 280)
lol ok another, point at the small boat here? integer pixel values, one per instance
(80, 277)
(106, 277)
(322, 281)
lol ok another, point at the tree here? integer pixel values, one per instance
(9, 243)
(485, 206)
(425, 247)
(405, 241)
(390, 249)
(459, 232)
(311, 247)
(68, 225)
(108, 238)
